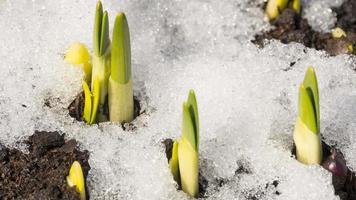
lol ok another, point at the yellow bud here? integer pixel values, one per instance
(350, 48)
(338, 33)
(274, 7)
(296, 6)
(76, 178)
(77, 54)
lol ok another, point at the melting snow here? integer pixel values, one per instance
(246, 96)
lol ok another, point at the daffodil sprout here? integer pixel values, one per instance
(121, 104)
(107, 84)
(76, 179)
(184, 162)
(275, 7)
(101, 62)
(307, 128)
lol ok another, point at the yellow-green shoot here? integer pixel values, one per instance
(121, 103)
(101, 60)
(75, 179)
(184, 162)
(307, 128)
(275, 7)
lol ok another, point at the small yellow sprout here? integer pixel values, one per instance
(350, 48)
(275, 7)
(78, 54)
(76, 179)
(338, 33)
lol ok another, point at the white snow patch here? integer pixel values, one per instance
(247, 96)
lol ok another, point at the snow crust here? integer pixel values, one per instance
(246, 96)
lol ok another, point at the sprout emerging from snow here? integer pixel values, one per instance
(121, 105)
(184, 162)
(76, 179)
(275, 7)
(307, 128)
(110, 75)
(101, 61)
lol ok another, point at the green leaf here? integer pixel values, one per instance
(191, 120)
(311, 84)
(193, 108)
(174, 162)
(306, 109)
(101, 40)
(121, 51)
(96, 100)
(87, 102)
(188, 130)
(97, 27)
(104, 36)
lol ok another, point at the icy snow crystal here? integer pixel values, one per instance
(246, 96)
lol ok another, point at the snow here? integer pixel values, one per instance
(246, 96)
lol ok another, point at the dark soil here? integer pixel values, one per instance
(344, 185)
(291, 27)
(346, 16)
(40, 174)
(76, 108)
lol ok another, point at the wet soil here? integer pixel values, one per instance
(76, 108)
(41, 173)
(346, 15)
(289, 27)
(345, 183)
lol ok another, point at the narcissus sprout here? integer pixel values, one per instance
(184, 162)
(108, 79)
(76, 179)
(307, 128)
(101, 61)
(121, 105)
(275, 7)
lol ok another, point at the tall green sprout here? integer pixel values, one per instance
(121, 105)
(307, 128)
(101, 61)
(184, 162)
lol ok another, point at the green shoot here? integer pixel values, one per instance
(101, 59)
(307, 128)
(121, 106)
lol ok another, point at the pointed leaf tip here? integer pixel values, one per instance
(76, 178)
(311, 84)
(97, 27)
(121, 50)
(104, 35)
(193, 108)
